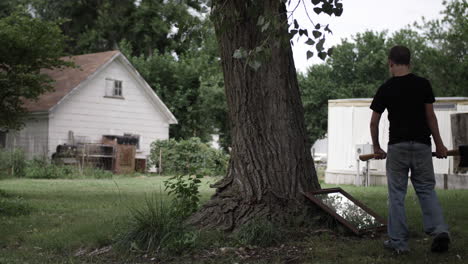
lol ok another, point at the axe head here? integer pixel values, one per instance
(463, 150)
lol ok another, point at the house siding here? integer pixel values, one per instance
(32, 139)
(90, 114)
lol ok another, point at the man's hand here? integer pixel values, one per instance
(381, 154)
(441, 151)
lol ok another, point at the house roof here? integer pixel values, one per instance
(68, 79)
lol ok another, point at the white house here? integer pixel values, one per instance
(104, 96)
(348, 127)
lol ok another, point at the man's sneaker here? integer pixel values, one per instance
(440, 243)
(399, 251)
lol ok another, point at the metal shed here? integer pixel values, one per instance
(348, 129)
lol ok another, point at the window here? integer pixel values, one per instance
(117, 88)
(114, 88)
(134, 139)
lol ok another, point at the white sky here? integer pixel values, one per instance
(359, 15)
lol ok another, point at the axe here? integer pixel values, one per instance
(462, 151)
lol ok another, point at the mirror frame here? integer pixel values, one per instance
(326, 208)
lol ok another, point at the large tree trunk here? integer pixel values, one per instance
(271, 163)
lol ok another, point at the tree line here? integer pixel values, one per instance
(173, 45)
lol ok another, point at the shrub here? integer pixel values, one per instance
(185, 192)
(188, 156)
(12, 163)
(39, 168)
(157, 228)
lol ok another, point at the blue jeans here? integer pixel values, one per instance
(417, 158)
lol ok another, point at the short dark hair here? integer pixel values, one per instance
(400, 55)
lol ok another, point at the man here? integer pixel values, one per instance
(408, 99)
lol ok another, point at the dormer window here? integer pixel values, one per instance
(114, 88)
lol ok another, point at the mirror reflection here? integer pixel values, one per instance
(347, 209)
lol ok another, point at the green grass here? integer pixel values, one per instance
(68, 215)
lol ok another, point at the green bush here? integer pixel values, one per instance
(12, 163)
(187, 157)
(157, 228)
(42, 169)
(186, 195)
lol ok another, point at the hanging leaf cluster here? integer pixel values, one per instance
(315, 36)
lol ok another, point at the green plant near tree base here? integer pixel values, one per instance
(186, 195)
(187, 156)
(159, 226)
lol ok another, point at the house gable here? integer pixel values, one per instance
(90, 112)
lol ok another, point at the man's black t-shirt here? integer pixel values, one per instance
(405, 97)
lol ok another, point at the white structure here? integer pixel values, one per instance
(104, 96)
(348, 126)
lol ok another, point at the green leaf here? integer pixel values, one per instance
(330, 51)
(317, 26)
(319, 45)
(322, 55)
(265, 27)
(318, 10)
(303, 32)
(239, 54)
(338, 11)
(261, 20)
(310, 42)
(255, 64)
(296, 25)
(317, 34)
(316, 2)
(309, 54)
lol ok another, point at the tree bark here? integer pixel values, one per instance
(271, 164)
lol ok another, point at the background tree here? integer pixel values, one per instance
(358, 66)
(27, 45)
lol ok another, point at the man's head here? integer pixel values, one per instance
(399, 60)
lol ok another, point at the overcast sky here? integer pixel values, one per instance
(360, 15)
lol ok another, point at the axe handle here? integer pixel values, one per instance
(367, 157)
(453, 152)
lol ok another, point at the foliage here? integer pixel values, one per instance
(258, 232)
(358, 67)
(27, 45)
(187, 157)
(185, 190)
(449, 37)
(149, 25)
(40, 168)
(11, 205)
(12, 163)
(157, 228)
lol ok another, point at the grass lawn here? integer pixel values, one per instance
(69, 216)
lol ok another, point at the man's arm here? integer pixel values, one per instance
(374, 129)
(441, 150)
